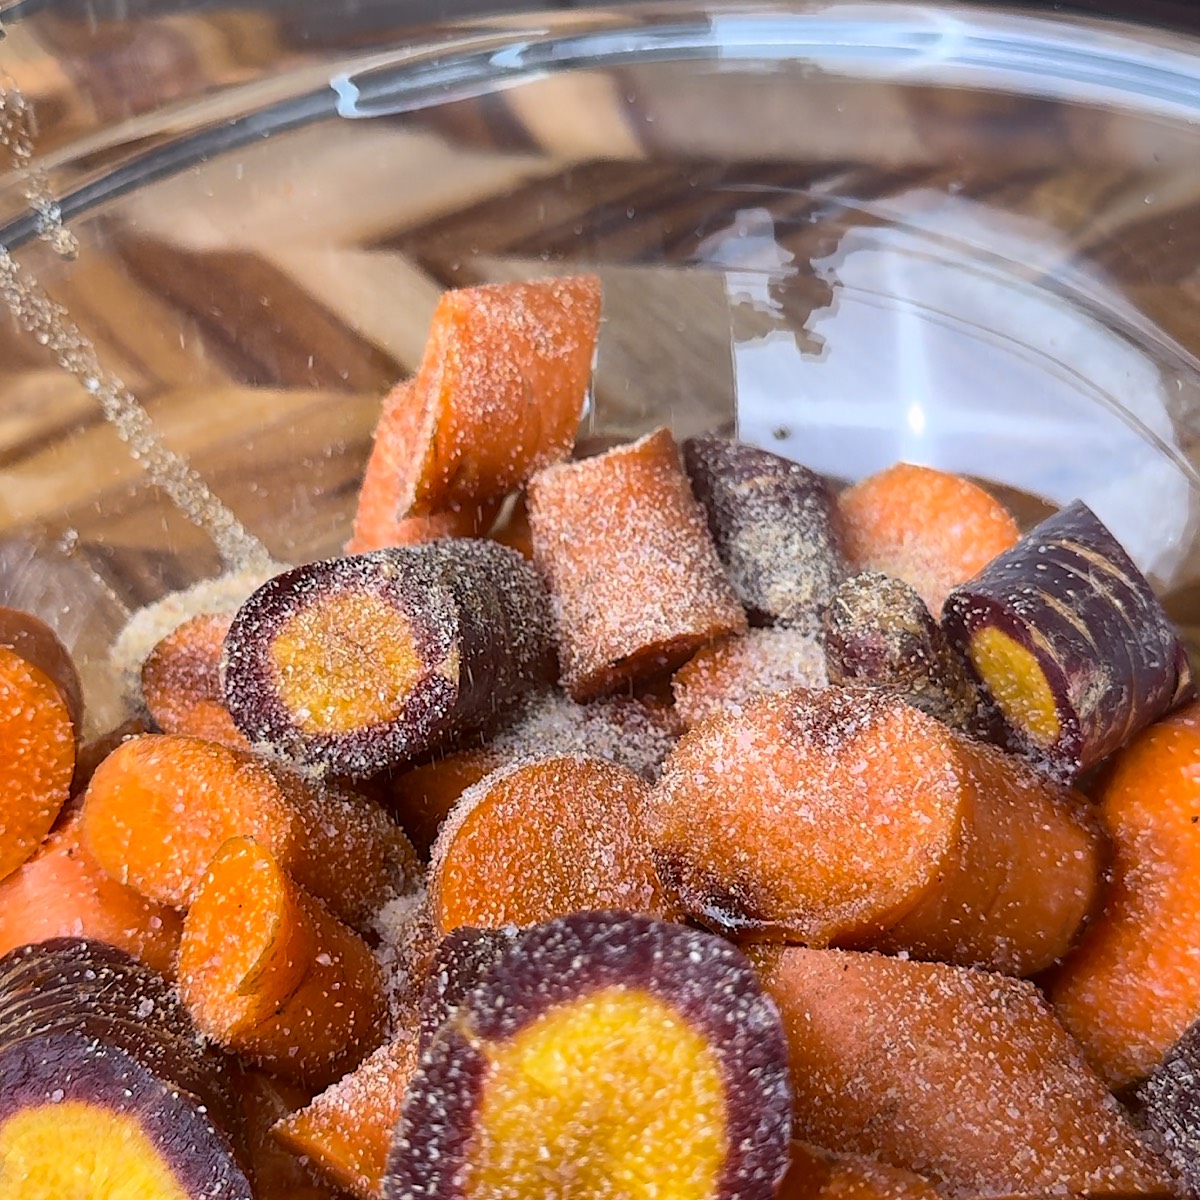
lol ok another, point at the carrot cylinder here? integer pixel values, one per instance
(61, 892)
(635, 580)
(537, 840)
(181, 681)
(1132, 986)
(38, 644)
(422, 799)
(38, 737)
(848, 817)
(346, 1132)
(267, 972)
(499, 394)
(962, 1076)
(929, 528)
(160, 807)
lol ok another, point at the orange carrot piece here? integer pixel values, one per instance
(160, 807)
(94, 751)
(537, 840)
(61, 892)
(422, 799)
(1132, 986)
(499, 394)
(266, 971)
(38, 761)
(734, 671)
(346, 1132)
(847, 817)
(181, 681)
(817, 1174)
(278, 1174)
(929, 528)
(959, 1075)
(39, 645)
(634, 576)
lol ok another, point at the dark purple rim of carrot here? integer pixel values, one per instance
(1069, 594)
(709, 982)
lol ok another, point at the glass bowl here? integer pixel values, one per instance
(853, 232)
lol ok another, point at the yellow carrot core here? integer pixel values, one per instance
(84, 1152)
(1017, 683)
(613, 1096)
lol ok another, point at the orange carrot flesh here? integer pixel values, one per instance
(38, 762)
(1132, 988)
(633, 574)
(61, 892)
(499, 394)
(929, 528)
(837, 816)
(160, 807)
(961, 1076)
(181, 682)
(422, 799)
(38, 644)
(267, 972)
(346, 1132)
(542, 839)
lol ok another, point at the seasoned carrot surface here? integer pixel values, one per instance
(820, 1175)
(61, 892)
(422, 799)
(346, 1132)
(1133, 985)
(962, 1076)
(38, 759)
(38, 644)
(543, 839)
(266, 971)
(499, 394)
(159, 807)
(929, 528)
(848, 817)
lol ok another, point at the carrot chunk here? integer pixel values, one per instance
(424, 797)
(537, 840)
(817, 1174)
(160, 807)
(39, 645)
(499, 394)
(959, 1075)
(849, 817)
(61, 892)
(181, 681)
(38, 737)
(346, 1132)
(1132, 987)
(266, 971)
(634, 577)
(929, 528)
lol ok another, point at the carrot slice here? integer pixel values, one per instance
(422, 799)
(347, 1130)
(38, 737)
(929, 528)
(160, 807)
(61, 892)
(537, 840)
(1132, 987)
(499, 394)
(39, 645)
(267, 972)
(181, 681)
(817, 1174)
(634, 576)
(962, 1076)
(849, 817)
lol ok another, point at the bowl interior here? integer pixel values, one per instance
(854, 233)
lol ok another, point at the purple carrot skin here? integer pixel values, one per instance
(776, 527)
(1070, 643)
(592, 991)
(878, 633)
(102, 1075)
(1168, 1105)
(362, 664)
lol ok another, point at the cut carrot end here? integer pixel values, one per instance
(1017, 683)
